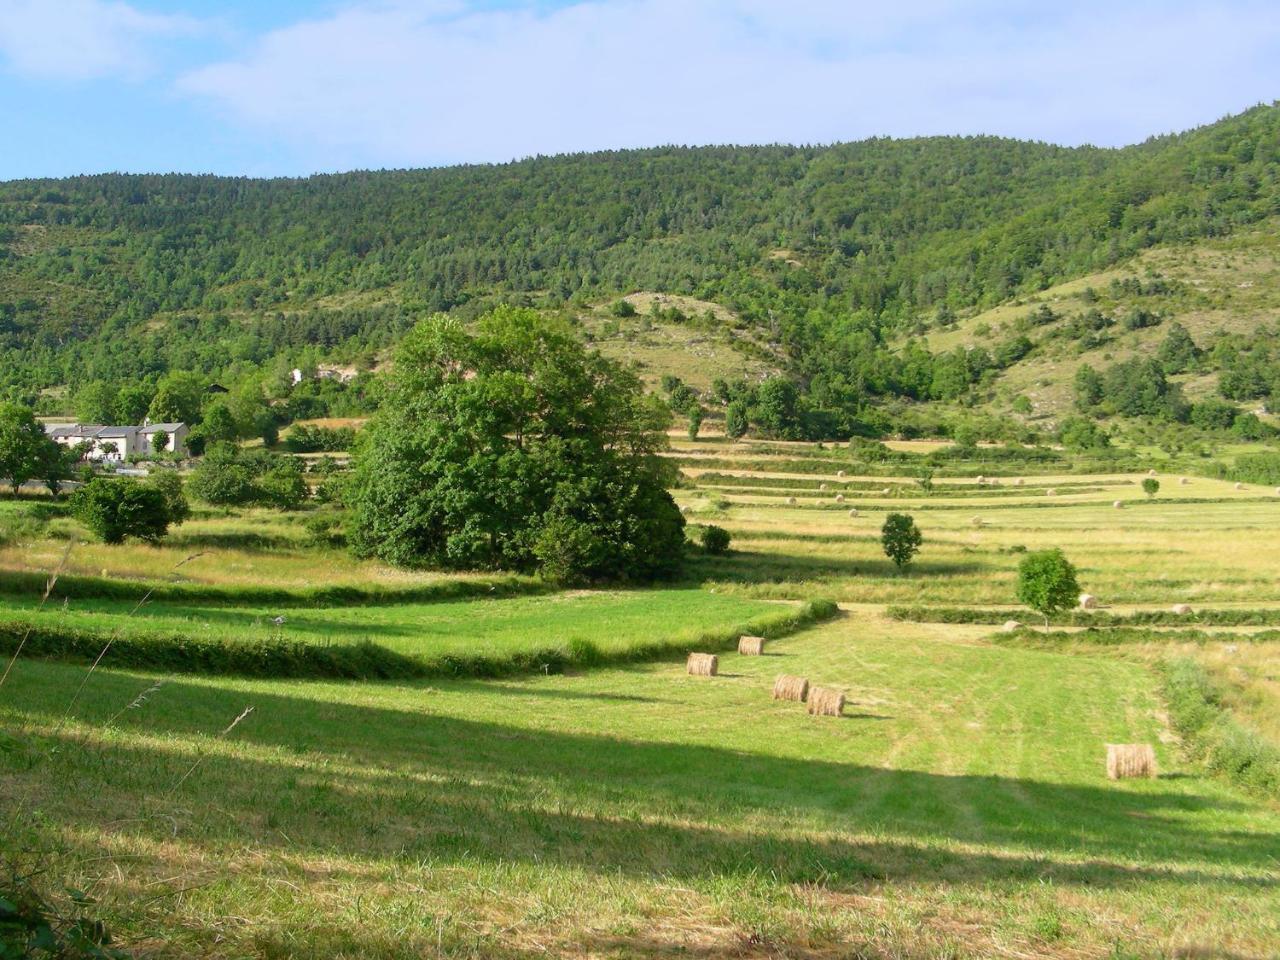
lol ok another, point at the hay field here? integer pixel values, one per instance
(959, 808)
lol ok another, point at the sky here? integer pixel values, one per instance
(293, 87)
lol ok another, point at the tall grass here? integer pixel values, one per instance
(281, 658)
(80, 587)
(1264, 617)
(1211, 734)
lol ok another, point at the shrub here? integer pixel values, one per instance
(118, 507)
(715, 540)
(308, 438)
(1150, 486)
(623, 309)
(901, 538)
(232, 476)
(735, 420)
(169, 483)
(1047, 582)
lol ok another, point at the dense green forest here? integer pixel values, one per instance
(823, 252)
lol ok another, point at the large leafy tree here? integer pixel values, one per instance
(177, 399)
(516, 447)
(25, 451)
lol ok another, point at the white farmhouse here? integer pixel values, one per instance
(109, 444)
(173, 436)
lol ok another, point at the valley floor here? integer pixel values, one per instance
(958, 809)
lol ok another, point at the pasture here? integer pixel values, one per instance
(958, 808)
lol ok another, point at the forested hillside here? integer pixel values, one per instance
(826, 254)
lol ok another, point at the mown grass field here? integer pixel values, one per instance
(959, 809)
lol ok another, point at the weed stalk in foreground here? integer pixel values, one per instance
(48, 589)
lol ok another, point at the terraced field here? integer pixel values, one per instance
(959, 808)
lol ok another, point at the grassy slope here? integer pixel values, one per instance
(960, 810)
(697, 355)
(1228, 284)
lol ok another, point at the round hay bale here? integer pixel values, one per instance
(822, 486)
(839, 498)
(1151, 473)
(702, 665)
(1019, 482)
(976, 521)
(1088, 601)
(1051, 492)
(853, 512)
(1239, 486)
(1126, 760)
(750, 646)
(1278, 491)
(791, 500)
(1181, 609)
(840, 474)
(1183, 481)
(788, 687)
(1010, 626)
(826, 702)
(981, 479)
(887, 490)
(686, 509)
(1118, 504)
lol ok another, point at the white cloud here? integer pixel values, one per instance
(402, 83)
(83, 39)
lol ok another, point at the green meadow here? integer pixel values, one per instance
(601, 808)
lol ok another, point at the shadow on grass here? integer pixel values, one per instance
(749, 567)
(374, 782)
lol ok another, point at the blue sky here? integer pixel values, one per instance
(291, 87)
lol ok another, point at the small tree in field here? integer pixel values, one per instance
(695, 422)
(1150, 486)
(901, 538)
(735, 420)
(1047, 582)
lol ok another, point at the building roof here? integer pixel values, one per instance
(85, 431)
(111, 432)
(166, 427)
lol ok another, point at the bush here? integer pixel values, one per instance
(308, 438)
(118, 507)
(232, 476)
(735, 420)
(901, 538)
(169, 483)
(1047, 582)
(1150, 486)
(715, 540)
